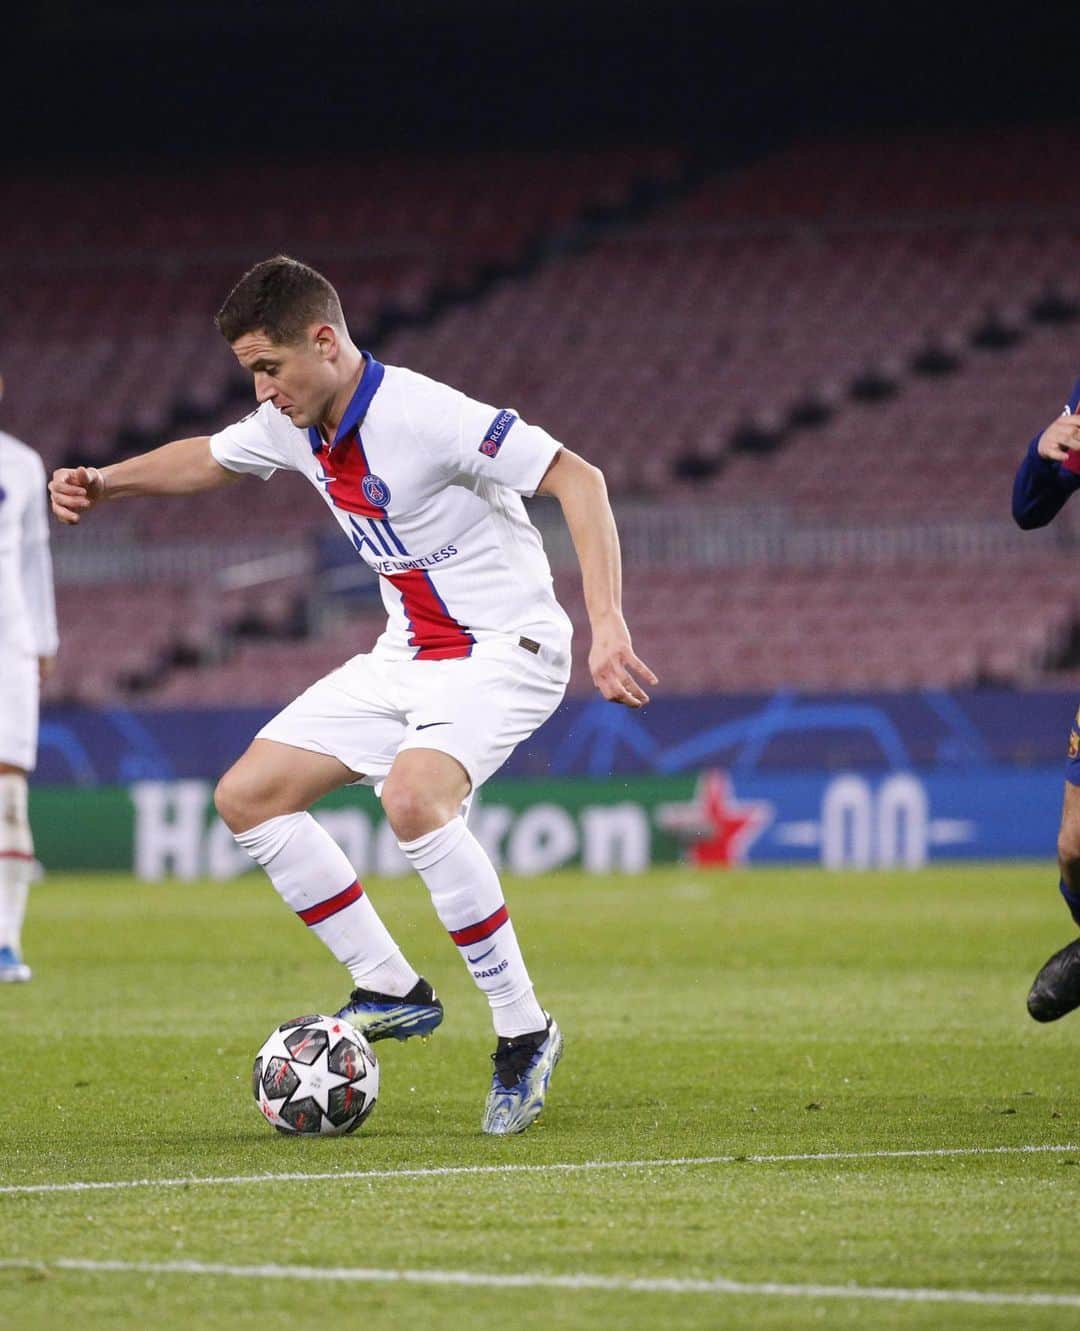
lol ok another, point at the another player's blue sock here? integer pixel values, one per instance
(1072, 900)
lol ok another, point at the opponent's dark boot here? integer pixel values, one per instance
(1056, 990)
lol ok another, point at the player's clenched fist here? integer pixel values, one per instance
(73, 490)
(1060, 439)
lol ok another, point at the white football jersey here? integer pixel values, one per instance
(27, 600)
(427, 486)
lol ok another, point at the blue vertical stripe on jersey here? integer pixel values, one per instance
(394, 537)
(376, 526)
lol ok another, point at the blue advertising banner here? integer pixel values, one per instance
(898, 819)
(874, 780)
(744, 734)
(714, 818)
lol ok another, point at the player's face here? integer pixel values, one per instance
(299, 379)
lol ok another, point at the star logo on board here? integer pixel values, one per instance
(719, 828)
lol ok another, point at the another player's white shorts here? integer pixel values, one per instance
(476, 709)
(18, 708)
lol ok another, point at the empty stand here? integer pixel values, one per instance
(108, 327)
(848, 627)
(677, 352)
(702, 629)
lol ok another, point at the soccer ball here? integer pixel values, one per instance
(316, 1075)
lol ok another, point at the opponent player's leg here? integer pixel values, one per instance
(16, 871)
(1056, 990)
(264, 799)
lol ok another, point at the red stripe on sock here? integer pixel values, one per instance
(15, 855)
(476, 933)
(322, 910)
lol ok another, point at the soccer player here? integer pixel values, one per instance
(426, 484)
(28, 645)
(1047, 476)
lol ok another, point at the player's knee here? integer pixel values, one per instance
(14, 823)
(240, 800)
(411, 811)
(227, 801)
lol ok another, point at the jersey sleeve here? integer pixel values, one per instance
(1042, 486)
(499, 446)
(481, 443)
(37, 565)
(252, 445)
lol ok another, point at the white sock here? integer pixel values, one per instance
(16, 858)
(314, 877)
(468, 899)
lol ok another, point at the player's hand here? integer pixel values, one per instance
(74, 490)
(46, 664)
(1060, 439)
(613, 665)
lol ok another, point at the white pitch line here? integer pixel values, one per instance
(538, 1280)
(451, 1171)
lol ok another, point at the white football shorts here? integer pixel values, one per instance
(476, 709)
(18, 708)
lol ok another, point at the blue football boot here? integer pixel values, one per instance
(380, 1016)
(13, 970)
(523, 1068)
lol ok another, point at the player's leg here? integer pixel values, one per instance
(16, 871)
(484, 707)
(1056, 990)
(422, 797)
(264, 799)
(18, 752)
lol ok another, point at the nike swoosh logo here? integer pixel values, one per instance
(428, 724)
(474, 960)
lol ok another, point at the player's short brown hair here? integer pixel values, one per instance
(280, 297)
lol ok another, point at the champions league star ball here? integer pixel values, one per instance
(316, 1075)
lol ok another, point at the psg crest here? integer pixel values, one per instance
(376, 491)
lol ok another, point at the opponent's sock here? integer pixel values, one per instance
(314, 877)
(1072, 899)
(468, 899)
(16, 858)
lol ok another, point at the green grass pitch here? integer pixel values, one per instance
(708, 1018)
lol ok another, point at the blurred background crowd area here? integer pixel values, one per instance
(807, 356)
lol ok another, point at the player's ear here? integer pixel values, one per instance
(325, 339)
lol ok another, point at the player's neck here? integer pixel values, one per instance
(341, 399)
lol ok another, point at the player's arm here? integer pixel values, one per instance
(1045, 479)
(582, 493)
(183, 467)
